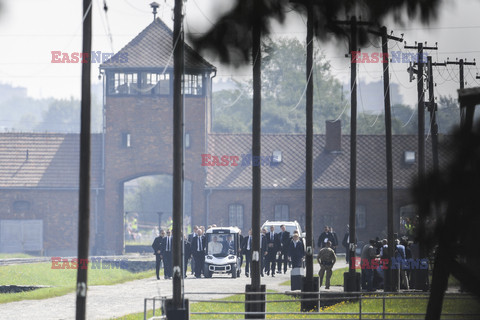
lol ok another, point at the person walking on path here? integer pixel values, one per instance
(296, 251)
(326, 259)
(368, 254)
(284, 240)
(324, 237)
(272, 248)
(157, 251)
(166, 248)
(247, 250)
(197, 247)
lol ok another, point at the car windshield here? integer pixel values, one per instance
(220, 244)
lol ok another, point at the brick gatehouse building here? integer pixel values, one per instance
(39, 171)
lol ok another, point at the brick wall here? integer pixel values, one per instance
(149, 121)
(58, 209)
(329, 207)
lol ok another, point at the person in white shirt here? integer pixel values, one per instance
(214, 247)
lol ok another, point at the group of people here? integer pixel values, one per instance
(194, 247)
(278, 251)
(374, 252)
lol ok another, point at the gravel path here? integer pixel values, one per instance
(106, 302)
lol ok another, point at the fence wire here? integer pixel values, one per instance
(159, 312)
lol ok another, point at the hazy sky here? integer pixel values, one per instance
(31, 29)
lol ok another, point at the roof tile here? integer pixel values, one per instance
(153, 48)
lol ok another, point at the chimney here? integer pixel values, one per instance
(333, 136)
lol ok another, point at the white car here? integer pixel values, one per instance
(223, 246)
(290, 226)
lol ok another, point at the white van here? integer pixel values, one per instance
(290, 226)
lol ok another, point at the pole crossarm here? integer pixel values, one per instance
(465, 63)
(424, 47)
(389, 36)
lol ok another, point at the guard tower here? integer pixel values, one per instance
(138, 122)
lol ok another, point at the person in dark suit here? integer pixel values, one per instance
(197, 248)
(191, 236)
(324, 237)
(284, 241)
(240, 241)
(247, 251)
(296, 251)
(166, 249)
(263, 250)
(272, 249)
(157, 251)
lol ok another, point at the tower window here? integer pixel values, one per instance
(187, 140)
(126, 140)
(193, 84)
(155, 83)
(122, 84)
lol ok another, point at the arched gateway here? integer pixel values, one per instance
(138, 127)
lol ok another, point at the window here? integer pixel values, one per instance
(155, 83)
(135, 83)
(126, 140)
(187, 140)
(281, 212)
(361, 216)
(21, 206)
(409, 157)
(193, 84)
(235, 215)
(277, 157)
(122, 83)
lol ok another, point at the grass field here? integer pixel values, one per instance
(335, 280)
(410, 304)
(287, 306)
(61, 281)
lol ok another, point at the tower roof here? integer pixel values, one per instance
(153, 48)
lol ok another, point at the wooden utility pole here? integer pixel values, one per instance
(389, 284)
(432, 108)
(84, 184)
(465, 113)
(352, 274)
(309, 283)
(177, 307)
(352, 278)
(422, 277)
(255, 292)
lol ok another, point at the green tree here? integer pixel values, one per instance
(61, 116)
(232, 110)
(283, 92)
(448, 115)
